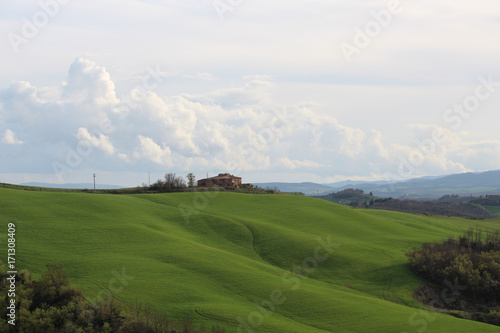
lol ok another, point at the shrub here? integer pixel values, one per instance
(471, 262)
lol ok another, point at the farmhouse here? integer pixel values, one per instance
(223, 180)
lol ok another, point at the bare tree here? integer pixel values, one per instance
(174, 182)
(171, 182)
(191, 178)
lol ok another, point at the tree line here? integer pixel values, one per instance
(171, 182)
(446, 206)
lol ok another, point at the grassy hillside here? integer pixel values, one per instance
(261, 263)
(494, 210)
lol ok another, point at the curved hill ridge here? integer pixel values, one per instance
(262, 263)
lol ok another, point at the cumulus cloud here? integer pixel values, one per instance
(56, 121)
(10, 138)
(152, 151)
(99, 141)
(82, 123)
(200, 76)
(89, 83)
(295, 164)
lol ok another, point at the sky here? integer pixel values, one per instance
(272, 91)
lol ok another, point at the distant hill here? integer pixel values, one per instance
(423, 187)
(79, 186)
(347, 196)
(354, 183)
(461, 184)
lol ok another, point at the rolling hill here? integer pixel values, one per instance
(251, 263)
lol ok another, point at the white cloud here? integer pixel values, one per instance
(240, 129)
(99, 141)
(89, 83)
(10, 138)
(200, 76)
(153, 152)
(295, 164)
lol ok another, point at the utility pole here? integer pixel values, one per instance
(94, 181)
(149, 178)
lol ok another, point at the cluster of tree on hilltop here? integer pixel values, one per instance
(172, 182)
(349, 195)
(53, 305)
(464, 275)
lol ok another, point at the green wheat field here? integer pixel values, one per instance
(249, 263)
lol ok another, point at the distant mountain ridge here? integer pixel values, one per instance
(470, 183)
(462, 184)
